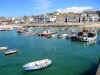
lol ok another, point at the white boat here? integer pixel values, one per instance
(63, 36)
(3, 48)
(11, 51)
(37, 65)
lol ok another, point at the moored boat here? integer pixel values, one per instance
(3, 48)
(88, 37)
(36, 65)
(84, 36)
(62, 36)
(20, 30)
(47, 33)
(8, 52)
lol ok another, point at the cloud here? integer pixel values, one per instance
(42, 6)
(74, 9)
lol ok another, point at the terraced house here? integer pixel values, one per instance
(90, 16)
(86, 16)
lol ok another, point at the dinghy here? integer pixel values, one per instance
(63, 36)
(8, 52)
(3, 48)
(36, 65)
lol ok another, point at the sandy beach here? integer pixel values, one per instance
(9, 26)
(96, 25)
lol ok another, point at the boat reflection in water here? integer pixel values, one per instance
(85, 44)
(88, 44)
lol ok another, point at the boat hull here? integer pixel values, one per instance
(30, 68)
(10, 52)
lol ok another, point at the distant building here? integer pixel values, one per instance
(61, 18)
(3, 20)
(54, 18)
(98, 12)
(18, 20)
(51, 18)
(89, 16)
(72, 18)
(28, 19)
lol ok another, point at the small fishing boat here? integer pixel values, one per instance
(88, 37)
(3, 48)
(62, 36)
(84, 36)
(47, 33)
(8, 52)
(2, 30)
(20, 30)
(73, 36)
(36, 65)
(35, 33)
(54, 35)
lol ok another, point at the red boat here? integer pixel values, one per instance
(47, 33)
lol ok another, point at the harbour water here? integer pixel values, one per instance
(68, 57)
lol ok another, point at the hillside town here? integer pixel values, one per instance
(54, 18)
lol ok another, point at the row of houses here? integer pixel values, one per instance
(86, 16)
(56, 17)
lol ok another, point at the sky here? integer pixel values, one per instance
(19, 8)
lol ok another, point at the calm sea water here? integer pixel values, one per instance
(69, 58)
